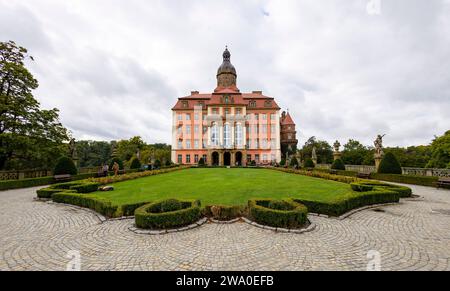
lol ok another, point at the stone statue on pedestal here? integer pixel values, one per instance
(314, 155)
(378, 150)
(337, 154)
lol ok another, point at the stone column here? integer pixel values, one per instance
(233, 159)
(221, 162)
(337, 155)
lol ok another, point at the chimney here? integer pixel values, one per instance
(257, 92)
(195, 92)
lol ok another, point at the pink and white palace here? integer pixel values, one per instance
(227, 127)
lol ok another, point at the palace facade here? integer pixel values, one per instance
(227, 127)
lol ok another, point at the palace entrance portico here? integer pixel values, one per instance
(227, 157)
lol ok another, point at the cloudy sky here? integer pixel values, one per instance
(345, 69)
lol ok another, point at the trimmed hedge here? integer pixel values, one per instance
(368, 185)
(151, 216)
(25, 183)
(309, 164)
(294, 214)
(47, 193)
(85, 187)
(99, 205)
(223, 212)
(65, 166)
(129, 209)
(338, 165)
(323, 174)
(406, 179)
(35, 182)
(390, 165)
(135, 164)
(342, 206)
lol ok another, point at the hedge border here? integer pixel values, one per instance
(35, 182)
(368, 185)
(190, 213)
(226, 212)
(262, 214)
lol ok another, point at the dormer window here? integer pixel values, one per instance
(268, 103)
(185, 104)
(252, 104)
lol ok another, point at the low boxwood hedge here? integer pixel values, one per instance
(47, 193)
(223, 212)
(283, 214)
(406, 179)
(129, 209)
(152, 216)
(98, 204)
(368, 185)
(85, 187)
(338, 207)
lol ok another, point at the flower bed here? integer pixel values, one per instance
(278, 213)
(168, 214)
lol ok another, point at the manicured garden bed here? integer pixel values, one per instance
(229, 191)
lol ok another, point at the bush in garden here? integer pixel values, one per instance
(65, 166)
(309, 163)
(201, 162)
(154, 216)
(338, 165)
(135, 164)
(294, 162)
(294, 216)
(390, 165)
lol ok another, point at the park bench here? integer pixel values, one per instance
(443, 182)
(60, 178)
(363, 175)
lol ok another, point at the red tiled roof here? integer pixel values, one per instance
(216, 99)
(287, 120)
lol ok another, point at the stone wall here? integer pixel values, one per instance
(406, 171)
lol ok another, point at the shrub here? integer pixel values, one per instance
(321, 175)
(168, 163)
(294, 162)
(118, 161)
(151, 216)
(99, 205)
(283, 162)
(280, 205)
(223, 212)
(338, 165)
(85, 187)
(253, 163)
(344, 205)
(406, 179)
(129, 209)
(403, 191)
(361, 187)
(261, 213)
(65, 166)
(201, 162)
(157, 164)
(135, 164)
(309, 163)
(390, 165)
(170, 205)
(25, 183)
(47, 193)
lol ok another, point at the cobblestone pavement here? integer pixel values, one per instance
(414, 235)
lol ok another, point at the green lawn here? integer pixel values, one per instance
(225, 186)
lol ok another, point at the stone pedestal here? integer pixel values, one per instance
(75, 161)
(337, 155)
(377, 162)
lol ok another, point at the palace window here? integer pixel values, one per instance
(188, 144)
(196, 159)
(252, 104)
(264, 116)
(205, 159)
(185, 104)
(264, 143)
(188, 116)
(180, 129)
(188, 159)
(227, 135)
(264, 158)
(264, 128)
(196, 116)
(188, 129)
(196, 129)
(257, 158)
(256, 116)
(214, 134)
(180, 159)
(205, 129)
(273, 143)
(272, 129)
(239, 135)
(273, 116)
(180, 145)
(196, 144)
(227, 111)
(249, 158)
(238, 111)
(180, 117)
(256, 143)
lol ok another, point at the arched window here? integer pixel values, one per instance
(214, 134)
(227, 135)
(239, 135)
